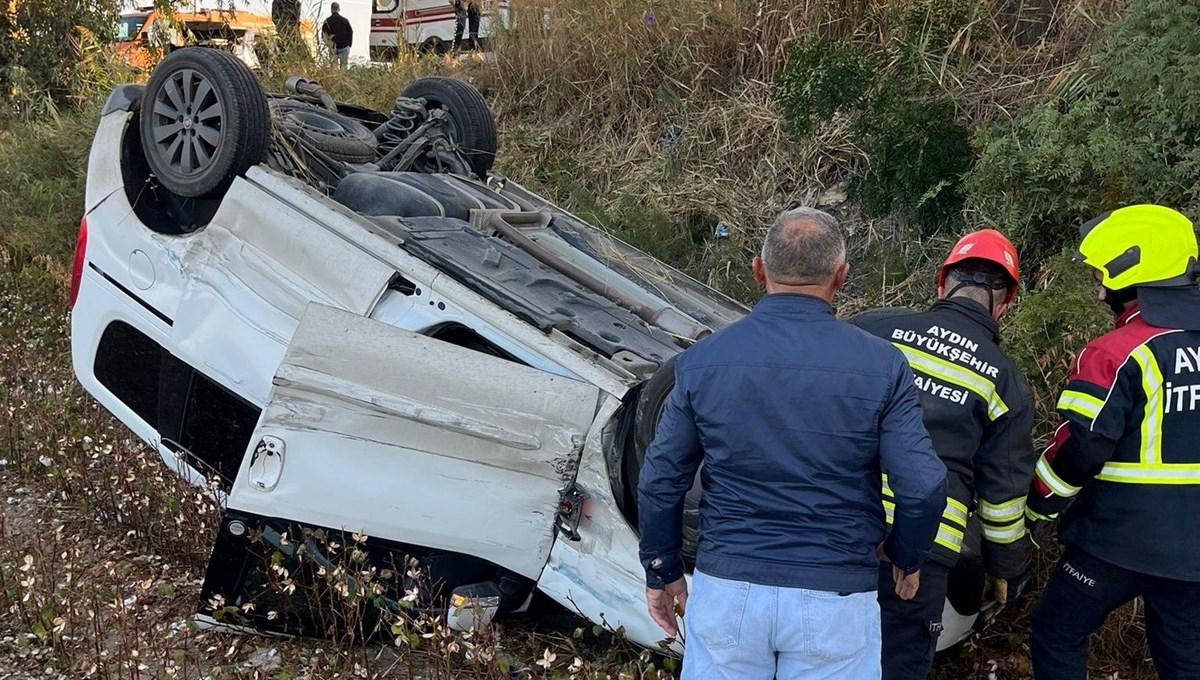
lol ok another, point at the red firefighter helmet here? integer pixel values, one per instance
(989, 245)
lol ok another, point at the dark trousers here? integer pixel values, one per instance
(911, 628)
(1079, 596)
(468, 19)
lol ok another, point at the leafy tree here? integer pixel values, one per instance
(1129, 133)
(47, 46)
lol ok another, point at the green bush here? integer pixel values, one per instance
(49, 50)
(1132, 135)
(918, 154)
(930, 26)
(822, 79)
(900, 116)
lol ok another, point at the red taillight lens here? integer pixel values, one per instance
(80, 256)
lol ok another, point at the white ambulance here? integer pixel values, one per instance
(428, 24)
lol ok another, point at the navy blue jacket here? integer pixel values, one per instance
(795, 416)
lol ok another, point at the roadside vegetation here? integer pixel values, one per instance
(680, 126)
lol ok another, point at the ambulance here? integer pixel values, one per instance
(426, 24)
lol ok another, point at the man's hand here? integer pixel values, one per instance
(665, 604)
(995, 596)
(906, 586)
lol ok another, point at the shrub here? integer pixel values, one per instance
(822, 79)
(1131, 135)
(918, 154)
(901, 117)
(49, 48)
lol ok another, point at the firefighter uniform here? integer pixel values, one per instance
(978, 410)
(1125, 462)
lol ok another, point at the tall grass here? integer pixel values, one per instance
(653, 115)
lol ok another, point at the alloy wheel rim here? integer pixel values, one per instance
(188, 122)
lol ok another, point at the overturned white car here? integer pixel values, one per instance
(341, 321)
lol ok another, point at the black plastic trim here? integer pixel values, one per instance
(162, 317)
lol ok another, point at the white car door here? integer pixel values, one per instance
(377, 430)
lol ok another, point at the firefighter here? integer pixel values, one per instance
(979, 412)
(1123, 469)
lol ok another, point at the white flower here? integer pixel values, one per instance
(547, 659)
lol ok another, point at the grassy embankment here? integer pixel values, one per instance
(659, 124)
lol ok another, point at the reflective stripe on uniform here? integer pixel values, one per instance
(956, 512)
(949, 537)
(1137, 473)
(1007, 533)
(1052, 480)
(953, 373)
(1002, 513)
(1152, 420)
(1080, 402)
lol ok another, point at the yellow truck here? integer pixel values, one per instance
(145, 35)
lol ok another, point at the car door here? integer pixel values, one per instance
(414, 446)
(406, 439)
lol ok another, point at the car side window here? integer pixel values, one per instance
(205, 422)
(127, 364)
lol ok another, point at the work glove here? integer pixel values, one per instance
(1040, 526)
(995, 597)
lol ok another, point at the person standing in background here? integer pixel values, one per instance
(466, 16)
(337, 29)
(285, 14)
(794, 416)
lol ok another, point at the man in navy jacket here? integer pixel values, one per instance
(794, 416)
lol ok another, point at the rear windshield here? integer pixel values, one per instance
(128, 27)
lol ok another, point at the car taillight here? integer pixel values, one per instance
(80, 253)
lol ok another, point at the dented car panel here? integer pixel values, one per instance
(599, 575)
(248, 277)
(417, 451)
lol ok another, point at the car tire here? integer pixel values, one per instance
(339, 137)
(434, 45)
(204, 121)
(474, 128)
(651, 403)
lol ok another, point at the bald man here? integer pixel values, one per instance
(794, 415)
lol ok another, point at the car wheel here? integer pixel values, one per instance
(338, 136)
(434, 45)
(204, 121)
(471, 122)
(650, 406)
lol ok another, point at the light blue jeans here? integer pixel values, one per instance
(742, 631)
